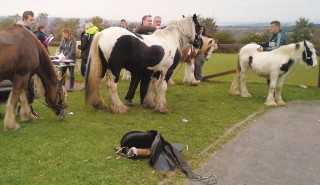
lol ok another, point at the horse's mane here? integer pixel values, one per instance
(285, 49)
(183, 26)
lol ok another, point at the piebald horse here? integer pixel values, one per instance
(22, 56)
(116, 48)
(189, 54)
(274, 65)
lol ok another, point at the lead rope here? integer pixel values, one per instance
(183, 166)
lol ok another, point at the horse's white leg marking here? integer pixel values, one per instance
(243, 85)
(278, 91)
(116, 106)
(160, 100)
(9, 119)
(234, 89)
(273, 83)
(189, 73)
(25, 111)
(149, 99)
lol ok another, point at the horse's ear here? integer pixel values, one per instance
(183, 16)
(195, 19)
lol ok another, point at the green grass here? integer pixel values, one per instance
(80, 148)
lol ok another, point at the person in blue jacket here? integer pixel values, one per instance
(277, 39)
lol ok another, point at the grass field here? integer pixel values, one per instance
(80, 148)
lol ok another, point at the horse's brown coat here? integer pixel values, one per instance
(22, 56)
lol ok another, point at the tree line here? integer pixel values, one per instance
(301, 30)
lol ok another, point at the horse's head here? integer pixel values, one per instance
(209, 45)
(197, 42)
(59, 103)
(309, 55)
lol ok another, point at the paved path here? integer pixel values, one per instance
(280, 147)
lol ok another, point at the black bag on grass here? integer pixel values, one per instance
(163, 155)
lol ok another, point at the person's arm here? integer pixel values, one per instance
(60, 48)
(264, 44)
(145, 29)
(72, 50)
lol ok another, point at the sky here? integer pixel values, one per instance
(223, 11)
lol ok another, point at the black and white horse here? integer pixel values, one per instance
(116, 48)
(274, 65)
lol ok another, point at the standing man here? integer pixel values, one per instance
(27, 21)
(157, 22)
(142, 75)
(277, 39)
(123, 24)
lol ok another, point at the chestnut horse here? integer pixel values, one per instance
(22, 56)
(189, 53)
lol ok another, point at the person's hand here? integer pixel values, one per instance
(158, 27)
(260, 49)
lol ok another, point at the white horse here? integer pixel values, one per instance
(209, 45)
(274, 65)
(116, 48)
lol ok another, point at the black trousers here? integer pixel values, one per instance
(71, 71)
(83, 68)
(30, 91)
(143, 78)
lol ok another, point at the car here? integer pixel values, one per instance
(5, 89)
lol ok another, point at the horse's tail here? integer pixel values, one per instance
(93, 73)
(238, 64)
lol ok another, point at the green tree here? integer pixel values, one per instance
(224, 37)
(58, 24)
(253, 37)
(42, 19)
(9, 20)
(99, 22)
(302, 30)
(210, 25)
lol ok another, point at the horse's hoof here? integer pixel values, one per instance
(235, 92)
(162, 110)
(13, 127)
(271, 103)
(148, 105)
(119, 110)
(281, 103)
(193, 83)
(246, 95)
(26, 119)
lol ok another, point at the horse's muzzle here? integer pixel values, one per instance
(62, 113)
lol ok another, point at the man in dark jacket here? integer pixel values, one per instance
(86, 39)
(142, 75)
(27, 21)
